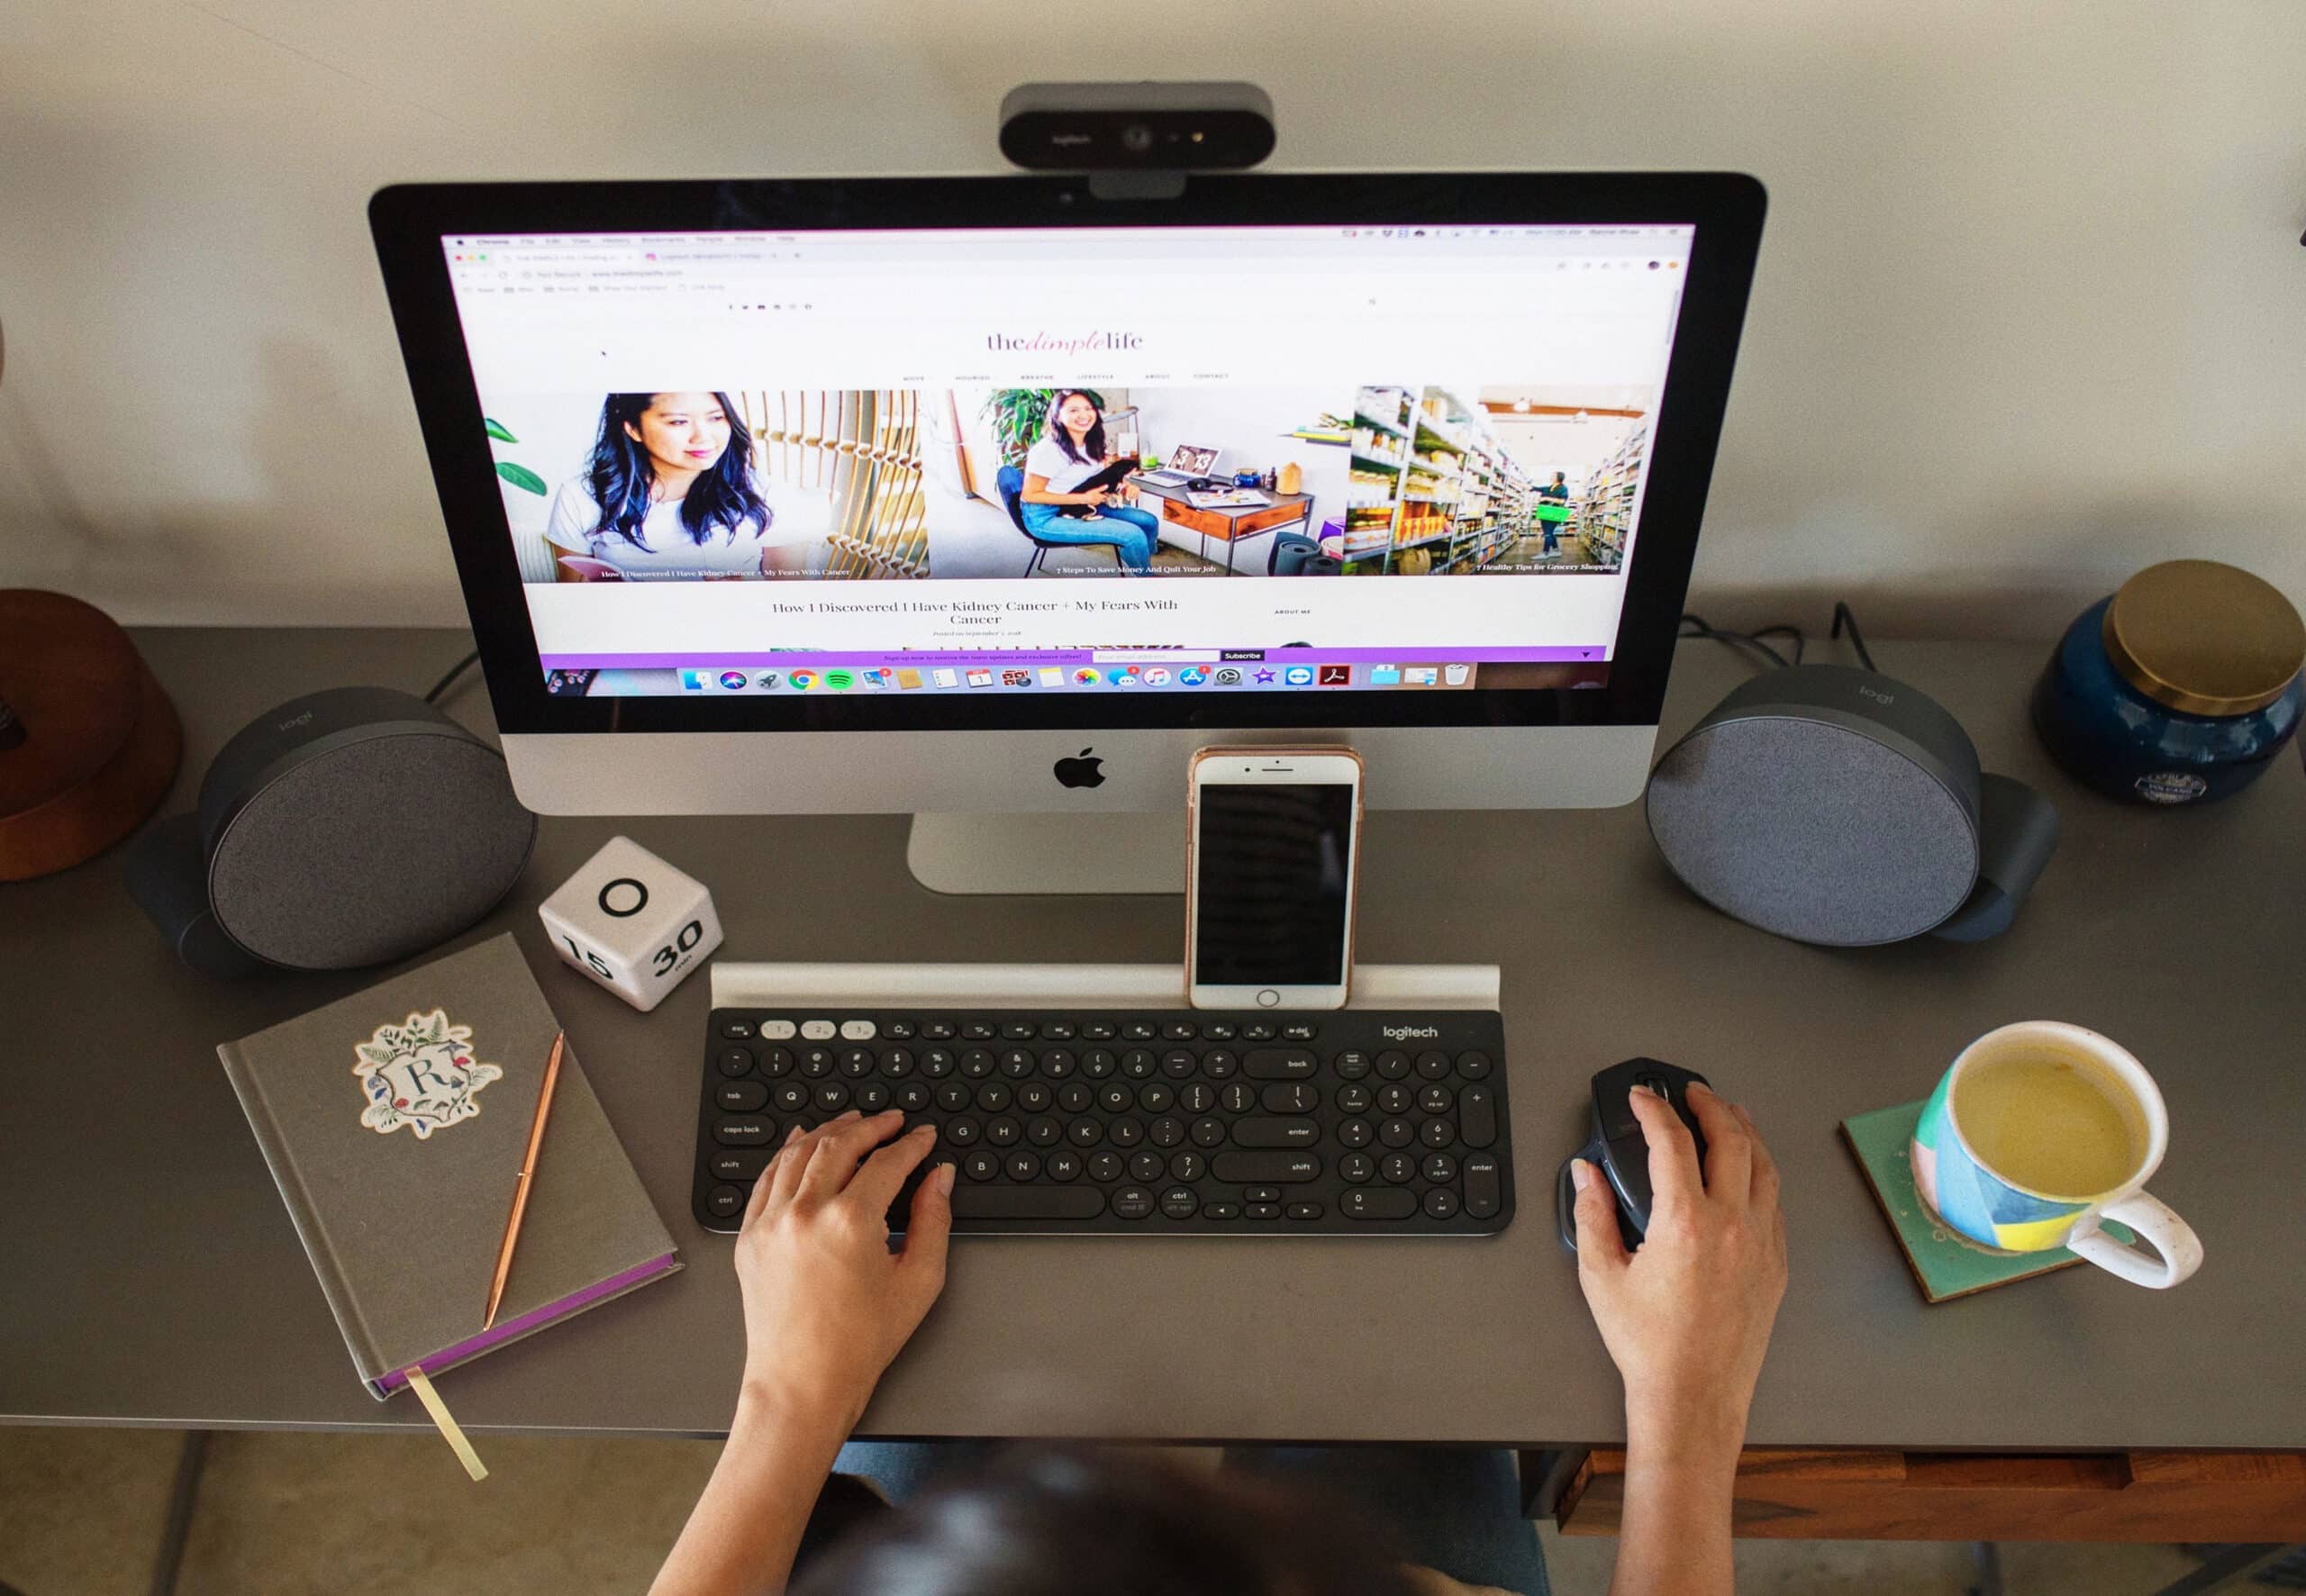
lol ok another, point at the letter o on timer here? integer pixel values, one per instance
(632, 922)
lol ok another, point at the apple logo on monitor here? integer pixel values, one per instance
(1082, 770)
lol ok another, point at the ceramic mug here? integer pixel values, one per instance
(2028, 1114)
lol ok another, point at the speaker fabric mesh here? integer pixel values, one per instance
(370, 851)
(1813, 832)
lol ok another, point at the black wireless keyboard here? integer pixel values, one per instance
(1178, 1122)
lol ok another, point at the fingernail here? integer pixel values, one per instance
(854, 1114)
(1581, 1173)
(944, 1180)
(928, 1131)
(1645, 1089)
(1697, 1086)
(792, 1136)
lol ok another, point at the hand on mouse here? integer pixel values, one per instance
(827, 1305)
(1687, 1317)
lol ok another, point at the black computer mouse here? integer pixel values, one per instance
(1618, 1148)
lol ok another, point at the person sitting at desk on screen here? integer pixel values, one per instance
(1686, 1319)
(1070, 451)
(666, 496)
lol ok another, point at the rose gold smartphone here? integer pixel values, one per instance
(1273, 860)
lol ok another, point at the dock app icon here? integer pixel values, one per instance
(1384, 675)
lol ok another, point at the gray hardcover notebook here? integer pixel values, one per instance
(395, 1121)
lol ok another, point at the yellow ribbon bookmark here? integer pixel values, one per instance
(446, 1422)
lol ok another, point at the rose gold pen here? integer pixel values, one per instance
(521, 1188)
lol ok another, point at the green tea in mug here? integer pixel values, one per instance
(2047, 1123)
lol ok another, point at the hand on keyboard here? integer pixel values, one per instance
(827, 1304)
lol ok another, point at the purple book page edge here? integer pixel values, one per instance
(535, 1319)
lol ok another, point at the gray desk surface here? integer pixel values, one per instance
(152, 1277)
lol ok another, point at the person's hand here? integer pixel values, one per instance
(1096, 497)
(1687, 1317)
(827, 1305)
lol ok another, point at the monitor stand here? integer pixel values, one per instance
(1140, 853)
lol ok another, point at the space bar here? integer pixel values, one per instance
(1028, 1202)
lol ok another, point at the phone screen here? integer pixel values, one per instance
(1274, 866)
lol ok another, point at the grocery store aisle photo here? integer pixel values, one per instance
(1581, 451)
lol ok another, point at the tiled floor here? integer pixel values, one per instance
(287, 1514)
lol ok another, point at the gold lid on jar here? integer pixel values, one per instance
(2204, 637)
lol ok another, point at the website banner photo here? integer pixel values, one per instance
(989, 483)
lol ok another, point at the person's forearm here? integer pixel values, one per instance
(740, 1539)
(1680, 1476)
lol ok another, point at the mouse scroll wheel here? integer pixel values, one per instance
(1655, 1082)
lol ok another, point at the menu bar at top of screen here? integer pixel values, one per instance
(954, 244)
(579, 312)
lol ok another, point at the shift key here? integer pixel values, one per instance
(1265, 1169)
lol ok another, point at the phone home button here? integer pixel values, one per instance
(1268, 998)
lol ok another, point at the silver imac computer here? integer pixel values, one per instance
(849, 494)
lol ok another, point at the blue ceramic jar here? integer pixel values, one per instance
(2179, 689)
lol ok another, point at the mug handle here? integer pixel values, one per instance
(2152, 1219)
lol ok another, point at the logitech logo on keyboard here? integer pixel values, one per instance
(1403, 1033)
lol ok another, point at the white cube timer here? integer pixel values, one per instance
(632, 922)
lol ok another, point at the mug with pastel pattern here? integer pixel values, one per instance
(2039, 1133)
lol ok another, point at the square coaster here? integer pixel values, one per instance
(1946, 1264)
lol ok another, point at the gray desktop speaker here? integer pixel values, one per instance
(1840, 806)
(344, 829)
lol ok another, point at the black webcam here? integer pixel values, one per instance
(1136, 127)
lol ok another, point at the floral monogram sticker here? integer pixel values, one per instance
(421, 1075)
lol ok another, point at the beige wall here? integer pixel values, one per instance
(2031, 309)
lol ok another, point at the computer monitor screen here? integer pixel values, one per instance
(964, 485)
(861, 461)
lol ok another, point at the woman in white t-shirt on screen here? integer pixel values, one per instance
(669, 494)
(1071, 450)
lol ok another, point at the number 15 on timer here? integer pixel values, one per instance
(632, 922)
